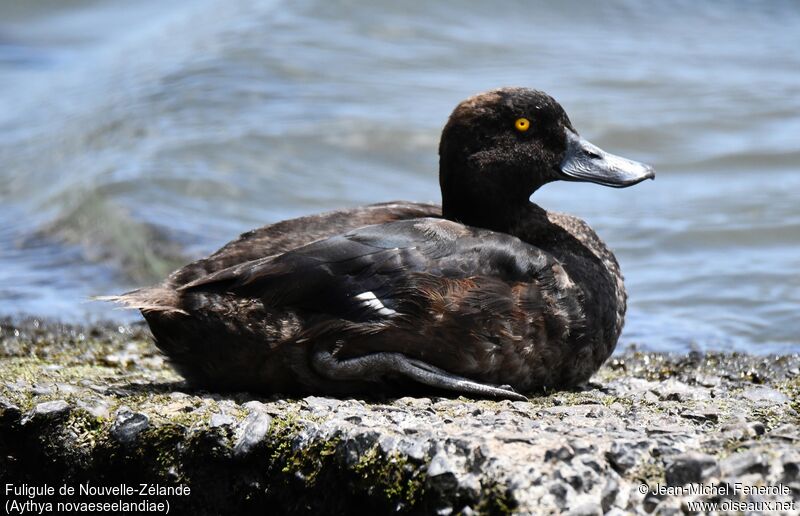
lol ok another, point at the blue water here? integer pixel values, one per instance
(139, 135)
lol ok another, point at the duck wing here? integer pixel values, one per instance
(287, 235)
(368, 273)
(327, 276)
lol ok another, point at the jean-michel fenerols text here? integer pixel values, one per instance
(722, 489)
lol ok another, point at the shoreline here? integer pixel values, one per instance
(99, 405)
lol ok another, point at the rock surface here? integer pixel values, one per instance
(99, 405)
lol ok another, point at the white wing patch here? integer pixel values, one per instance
(368, 300)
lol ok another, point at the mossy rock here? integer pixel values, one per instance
(99, 405)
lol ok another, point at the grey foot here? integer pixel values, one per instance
(373, 366)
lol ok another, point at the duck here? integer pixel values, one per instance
(487, 295)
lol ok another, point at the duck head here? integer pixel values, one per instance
(500, 146)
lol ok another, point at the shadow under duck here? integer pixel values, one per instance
(489, 295)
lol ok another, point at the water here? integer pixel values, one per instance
(138, 135)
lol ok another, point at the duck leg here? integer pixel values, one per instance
(374, 365)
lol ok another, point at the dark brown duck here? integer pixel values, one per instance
(489, 295)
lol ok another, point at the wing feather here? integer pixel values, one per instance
(367, 273)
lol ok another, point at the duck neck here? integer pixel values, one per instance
(483, 204)
(487, 209)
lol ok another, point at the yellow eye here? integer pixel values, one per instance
(522, 124)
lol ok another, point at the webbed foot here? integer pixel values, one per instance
(373, 366)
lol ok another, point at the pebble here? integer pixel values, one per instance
(743, 463)
(254, 429)
(622, 456)
(442, 473)
(562, 453)
(47, 410)
(675, 390)
(9, 413)
(218, 419)
(609, 493)
(586, 509)
(765, 394)
(701, 415)
(98, 409)
(321, 404)
(128, 425)
(690, 468)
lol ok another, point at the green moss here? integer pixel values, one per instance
(791, 388)
(159, 446)
(306, 461)
(650, 471)
(294, 458)
(393, 475)
(627, 402)
(496, 499)
(772, 416)
(88, 429)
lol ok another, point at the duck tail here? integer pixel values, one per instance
(150, 299)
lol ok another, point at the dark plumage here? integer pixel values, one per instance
(490, 296)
